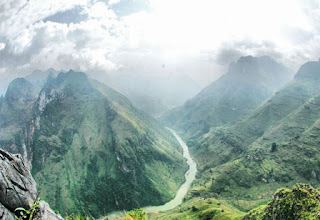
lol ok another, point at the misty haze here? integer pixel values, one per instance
(159, 109)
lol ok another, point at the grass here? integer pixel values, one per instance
(201, 208)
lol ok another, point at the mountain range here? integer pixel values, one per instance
(248, 82)
(251, 132)
(273, 145)
(90, 149)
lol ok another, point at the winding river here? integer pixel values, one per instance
(190, 176)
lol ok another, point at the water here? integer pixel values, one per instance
(190, 176)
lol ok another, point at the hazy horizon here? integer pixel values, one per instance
(152, 38)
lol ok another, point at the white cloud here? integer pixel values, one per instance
(174, 31)
(2, 46)
(34, 44)
(100, 10)
(113, 2)
(19, 14)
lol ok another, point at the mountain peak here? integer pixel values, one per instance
(252, 59)
(309, 70)
(18, 88)
(248, 83)
(261, 68)
(20, 81)
(72, 76)
(246, 59)
(39, 77)
(72, 72)
(104, 130)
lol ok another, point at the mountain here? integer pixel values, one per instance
(275, 145)
(15, 113)
(153, 93)
(248, 82)
(93, 152)
(39, 78)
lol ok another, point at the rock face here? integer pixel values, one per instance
(18, 188)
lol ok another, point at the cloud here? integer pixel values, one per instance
(83, 46)
(113, 2)
(100, 10)
(92, 36)
(229, 52)
(2, 46)
(19, 14)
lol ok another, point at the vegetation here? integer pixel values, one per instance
(92, 151)
(302, 202)
(15, 113)
(201, 208)
(237, 162)
(136, 214)
(273, 146)
(77, 217)
(247, 84)
(22, 213)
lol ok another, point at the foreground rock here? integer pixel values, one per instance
(18, 188)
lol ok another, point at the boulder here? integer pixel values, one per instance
(18, 188)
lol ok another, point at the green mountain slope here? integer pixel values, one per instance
(93, 152)
(15, 114)
(247, 84)
(301, 202)
(274, 146)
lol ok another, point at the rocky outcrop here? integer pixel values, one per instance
(18, 188)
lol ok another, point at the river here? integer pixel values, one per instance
(190, 176)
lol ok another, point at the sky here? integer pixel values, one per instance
(196, 39)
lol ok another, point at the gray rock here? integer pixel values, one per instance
(18, 188)
(46, 212)
(5, 213)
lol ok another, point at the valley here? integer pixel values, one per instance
(159, 110)
(90, 149)
(92, 152)
(190, 176)
(242, 164)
